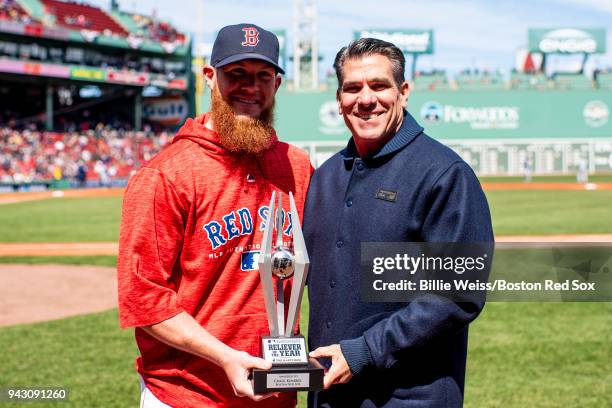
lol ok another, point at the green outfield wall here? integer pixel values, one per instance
(496, 132)
(456, 115)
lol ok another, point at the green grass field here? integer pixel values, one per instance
(540, 355)
(61, 220)
(513, 213)
(532, 212)
(520, 354)
(89, 355)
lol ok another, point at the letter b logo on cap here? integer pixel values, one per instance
(251, 36)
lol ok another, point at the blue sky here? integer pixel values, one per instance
(467, 33)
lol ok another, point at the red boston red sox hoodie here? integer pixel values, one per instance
(192, 221)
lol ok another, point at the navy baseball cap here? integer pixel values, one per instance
(245, 41)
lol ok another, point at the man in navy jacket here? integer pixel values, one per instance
(392, 183)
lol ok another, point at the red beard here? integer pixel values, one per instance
(241, 135)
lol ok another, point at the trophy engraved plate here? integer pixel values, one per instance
(292, 369)
(291, 380)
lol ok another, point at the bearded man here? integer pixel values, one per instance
(191, 224)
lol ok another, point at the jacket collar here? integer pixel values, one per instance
(406, 133)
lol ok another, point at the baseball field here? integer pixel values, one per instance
(58, 325)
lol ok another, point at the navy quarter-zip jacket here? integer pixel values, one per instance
(413, 190)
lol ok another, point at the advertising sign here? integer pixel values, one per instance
(126, 77)
(567, 40)
(168, 111)
(457, 115)
(409, 41)
(34, 68)
(88, 74)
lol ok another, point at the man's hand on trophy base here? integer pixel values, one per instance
(237, 367)
(339, 371)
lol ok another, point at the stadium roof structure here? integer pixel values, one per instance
(80, 22)
(76, 57)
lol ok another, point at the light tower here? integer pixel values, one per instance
(305, 49)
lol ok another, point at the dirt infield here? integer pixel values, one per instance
(36, 293)
(59, 249)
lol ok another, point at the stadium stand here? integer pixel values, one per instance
(82, 16)
(37, 11)
(12, 11)
(140, 31)
(430, 81)
(522, 81)
(477, 80)
(102, 156)
(147, 26)
(73, 77)
(483, 81)
(141, 26)
(572, 81)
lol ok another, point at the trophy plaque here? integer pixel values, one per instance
(292, 369)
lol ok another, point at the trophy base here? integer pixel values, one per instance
(303, 377)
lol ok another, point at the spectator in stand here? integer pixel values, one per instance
(11, 10)
(160, 31)
(81, 175)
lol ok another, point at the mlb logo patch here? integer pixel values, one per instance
(248, 261)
